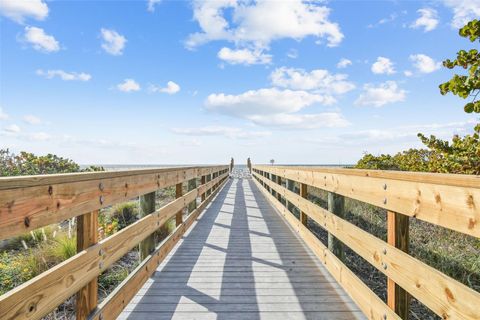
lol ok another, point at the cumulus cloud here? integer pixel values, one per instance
(3, 115)
(263, 101)
(255, 24)
(378, 96)
(128, 85)
(113, 42)
(244, 56)
(171, 88)
(292, 54)
(383, 66)
(428, 19)
(151, 4)
(31, 119)
(318, 80)
(343, 63)
(302, 121)
(66, 76)
(424, 63)
(19, 10)
(40, 41)
(13, 128)
(463, 11)
(229, 132)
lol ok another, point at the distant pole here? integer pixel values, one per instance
(272, 161)
(231, 165)
(249, 165)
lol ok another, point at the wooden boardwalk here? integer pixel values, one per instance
(241, 261)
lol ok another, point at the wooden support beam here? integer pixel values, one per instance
(87, 235)
(398, 235)
(178, 194)
(203, 180)
(303, 194)
(291, 187)
(279, 182)
(336, 205)
(147, 206)
(192, 184)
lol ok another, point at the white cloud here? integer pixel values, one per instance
(263, 102)
(67, 76)
(318, 80)
(428, 19)
(113, 42)
(408, 73)
(128, 85)
(3, 115)
(292, 54)
(19, 10)
(463, 11)
(40, 40)
(40, 136)
(13, 128)
(229, 132)
(343, 63)
(383, 66)
(378, 96)
(31, 119)
(302, 121)
(392, 17)
(259, 23)
(244, 56)
(424, 63)
(151, 5)
(171, 88)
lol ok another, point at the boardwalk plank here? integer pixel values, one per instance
(241, 261)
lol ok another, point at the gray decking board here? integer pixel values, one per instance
(241, 260)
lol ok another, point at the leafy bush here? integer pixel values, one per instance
(26, 163)
(125, 214)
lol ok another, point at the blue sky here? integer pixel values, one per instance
(191, 82)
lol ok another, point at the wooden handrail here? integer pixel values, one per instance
(40, 295)
(445, 296)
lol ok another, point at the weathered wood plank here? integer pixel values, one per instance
(87, 236)
(442, 294)
(40, 295)
(28, 203)
(451, 202)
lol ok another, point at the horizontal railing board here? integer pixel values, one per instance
(48, 179)
(113, 305)
(370, 304)
(459, 180)
(442, 294)
(450, 206)
(31, 207)
(38, 296)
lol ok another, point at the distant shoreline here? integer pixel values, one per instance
(113, 167)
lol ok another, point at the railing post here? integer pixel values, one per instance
(209, 178)
(192, 184)
(398, 235)
(279, 182)
(303, 194)
(291, 187)
(336, 205)
(249, 165)
(147, 206)
(87, 235)
(179, 194)
(202, 181)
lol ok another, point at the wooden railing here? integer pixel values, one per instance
(450, 201)
(28, 203)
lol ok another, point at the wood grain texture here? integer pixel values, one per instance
(451, 201)
(445, 296)
(178, 194)
(240, 230)
(398, 236)
(113, 305)
(147, 206)
(87, 236)
(40, 295)
(370, 304)
(28, 203)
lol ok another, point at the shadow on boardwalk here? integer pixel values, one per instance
(240, 261)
